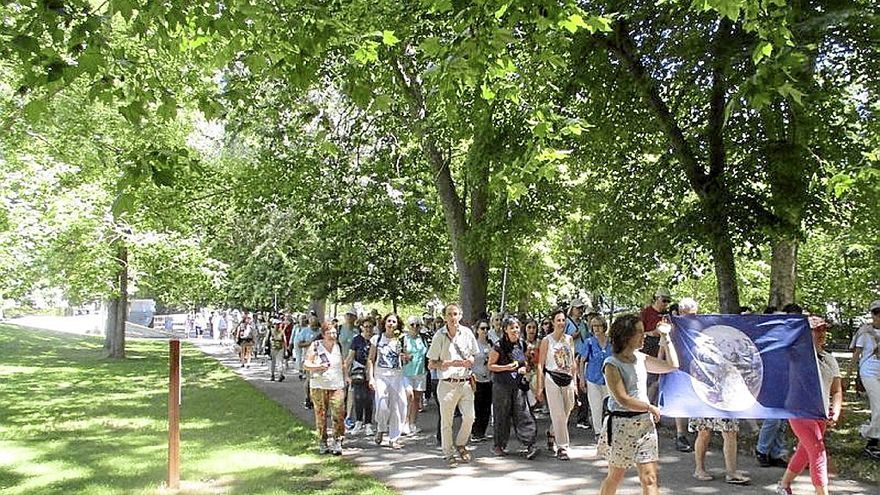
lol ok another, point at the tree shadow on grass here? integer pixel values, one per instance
(93, 425)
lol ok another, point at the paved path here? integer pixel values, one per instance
(419, 469)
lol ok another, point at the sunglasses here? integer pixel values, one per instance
(667, 301)
(875, 311)
(483, 327)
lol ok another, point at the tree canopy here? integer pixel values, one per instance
(240, 152)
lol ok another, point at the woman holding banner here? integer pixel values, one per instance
(629, 436)
(811, 432)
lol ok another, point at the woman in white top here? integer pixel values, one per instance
(811, 432)
(556, 369)
(324, 362)
(866, 355)
(386, 378)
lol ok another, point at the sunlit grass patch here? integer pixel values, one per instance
(74, 422)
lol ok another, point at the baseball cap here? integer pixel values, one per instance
(662, 292)
(414, 320)
(817, 323)
(577, 303)
(351, 312)
(874, 305)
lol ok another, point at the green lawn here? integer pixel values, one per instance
(74, 422)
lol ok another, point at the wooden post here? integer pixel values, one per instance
(174, 416)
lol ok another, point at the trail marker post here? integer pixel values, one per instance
(174, 415)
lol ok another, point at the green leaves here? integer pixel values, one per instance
(762, 50)
(573, 22)
(388, 38)
(35, 109)
(367, 52)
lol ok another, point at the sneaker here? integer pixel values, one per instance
(763, 459)
(782, 490)
(562, 455)
(337, 448)
(357, 428)
(873, 452)
(307, 405)
(272, 379)
(478, 439)
(531, 452)
(779, 462)
(349, 423)
(583, 426)
(281, 379)
(368, 430)
(682, 444)
(323, 448)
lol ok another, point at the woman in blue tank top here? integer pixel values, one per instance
(629, 436)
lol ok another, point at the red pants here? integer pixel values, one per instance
(810, 450)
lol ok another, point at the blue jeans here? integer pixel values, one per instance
(771, 439)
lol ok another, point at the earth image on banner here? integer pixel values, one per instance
(726, 371)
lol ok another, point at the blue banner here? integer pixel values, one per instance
(743, 366)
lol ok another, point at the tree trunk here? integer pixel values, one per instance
(783, 272)
(471, 263)
(725, 275)
(708, 185)
(318, 305)
(117, 307)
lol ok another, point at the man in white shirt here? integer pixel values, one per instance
(452, 355)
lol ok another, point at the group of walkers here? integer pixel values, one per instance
(377, 371)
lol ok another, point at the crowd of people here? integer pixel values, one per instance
(372, 375)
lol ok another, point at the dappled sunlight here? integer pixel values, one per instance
(33, 472)
(88, 425)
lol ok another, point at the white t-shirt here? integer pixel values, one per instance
(387, 355)
(559, 355)
(828, 371)
(868, 338)
(333, 378)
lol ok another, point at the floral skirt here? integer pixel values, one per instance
(633, 441)
(713, 424)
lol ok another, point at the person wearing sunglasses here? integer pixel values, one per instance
(651, 315)
(866, 354)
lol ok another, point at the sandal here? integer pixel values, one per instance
(396, 445)
(463, 453)
(737, 479)
(562, 455)
(704, 476)
(379, 437)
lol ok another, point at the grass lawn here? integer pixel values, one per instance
(74, 422)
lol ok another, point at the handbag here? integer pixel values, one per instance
(560, 379)
(523, 383)
(358, 375)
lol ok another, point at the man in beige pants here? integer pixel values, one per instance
(452, 355)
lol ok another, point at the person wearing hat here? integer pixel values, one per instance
(811, 432)
(866, 352)
(347, 332)
(651, 315)
(580, 333)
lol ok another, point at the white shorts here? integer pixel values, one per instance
(417, 383)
